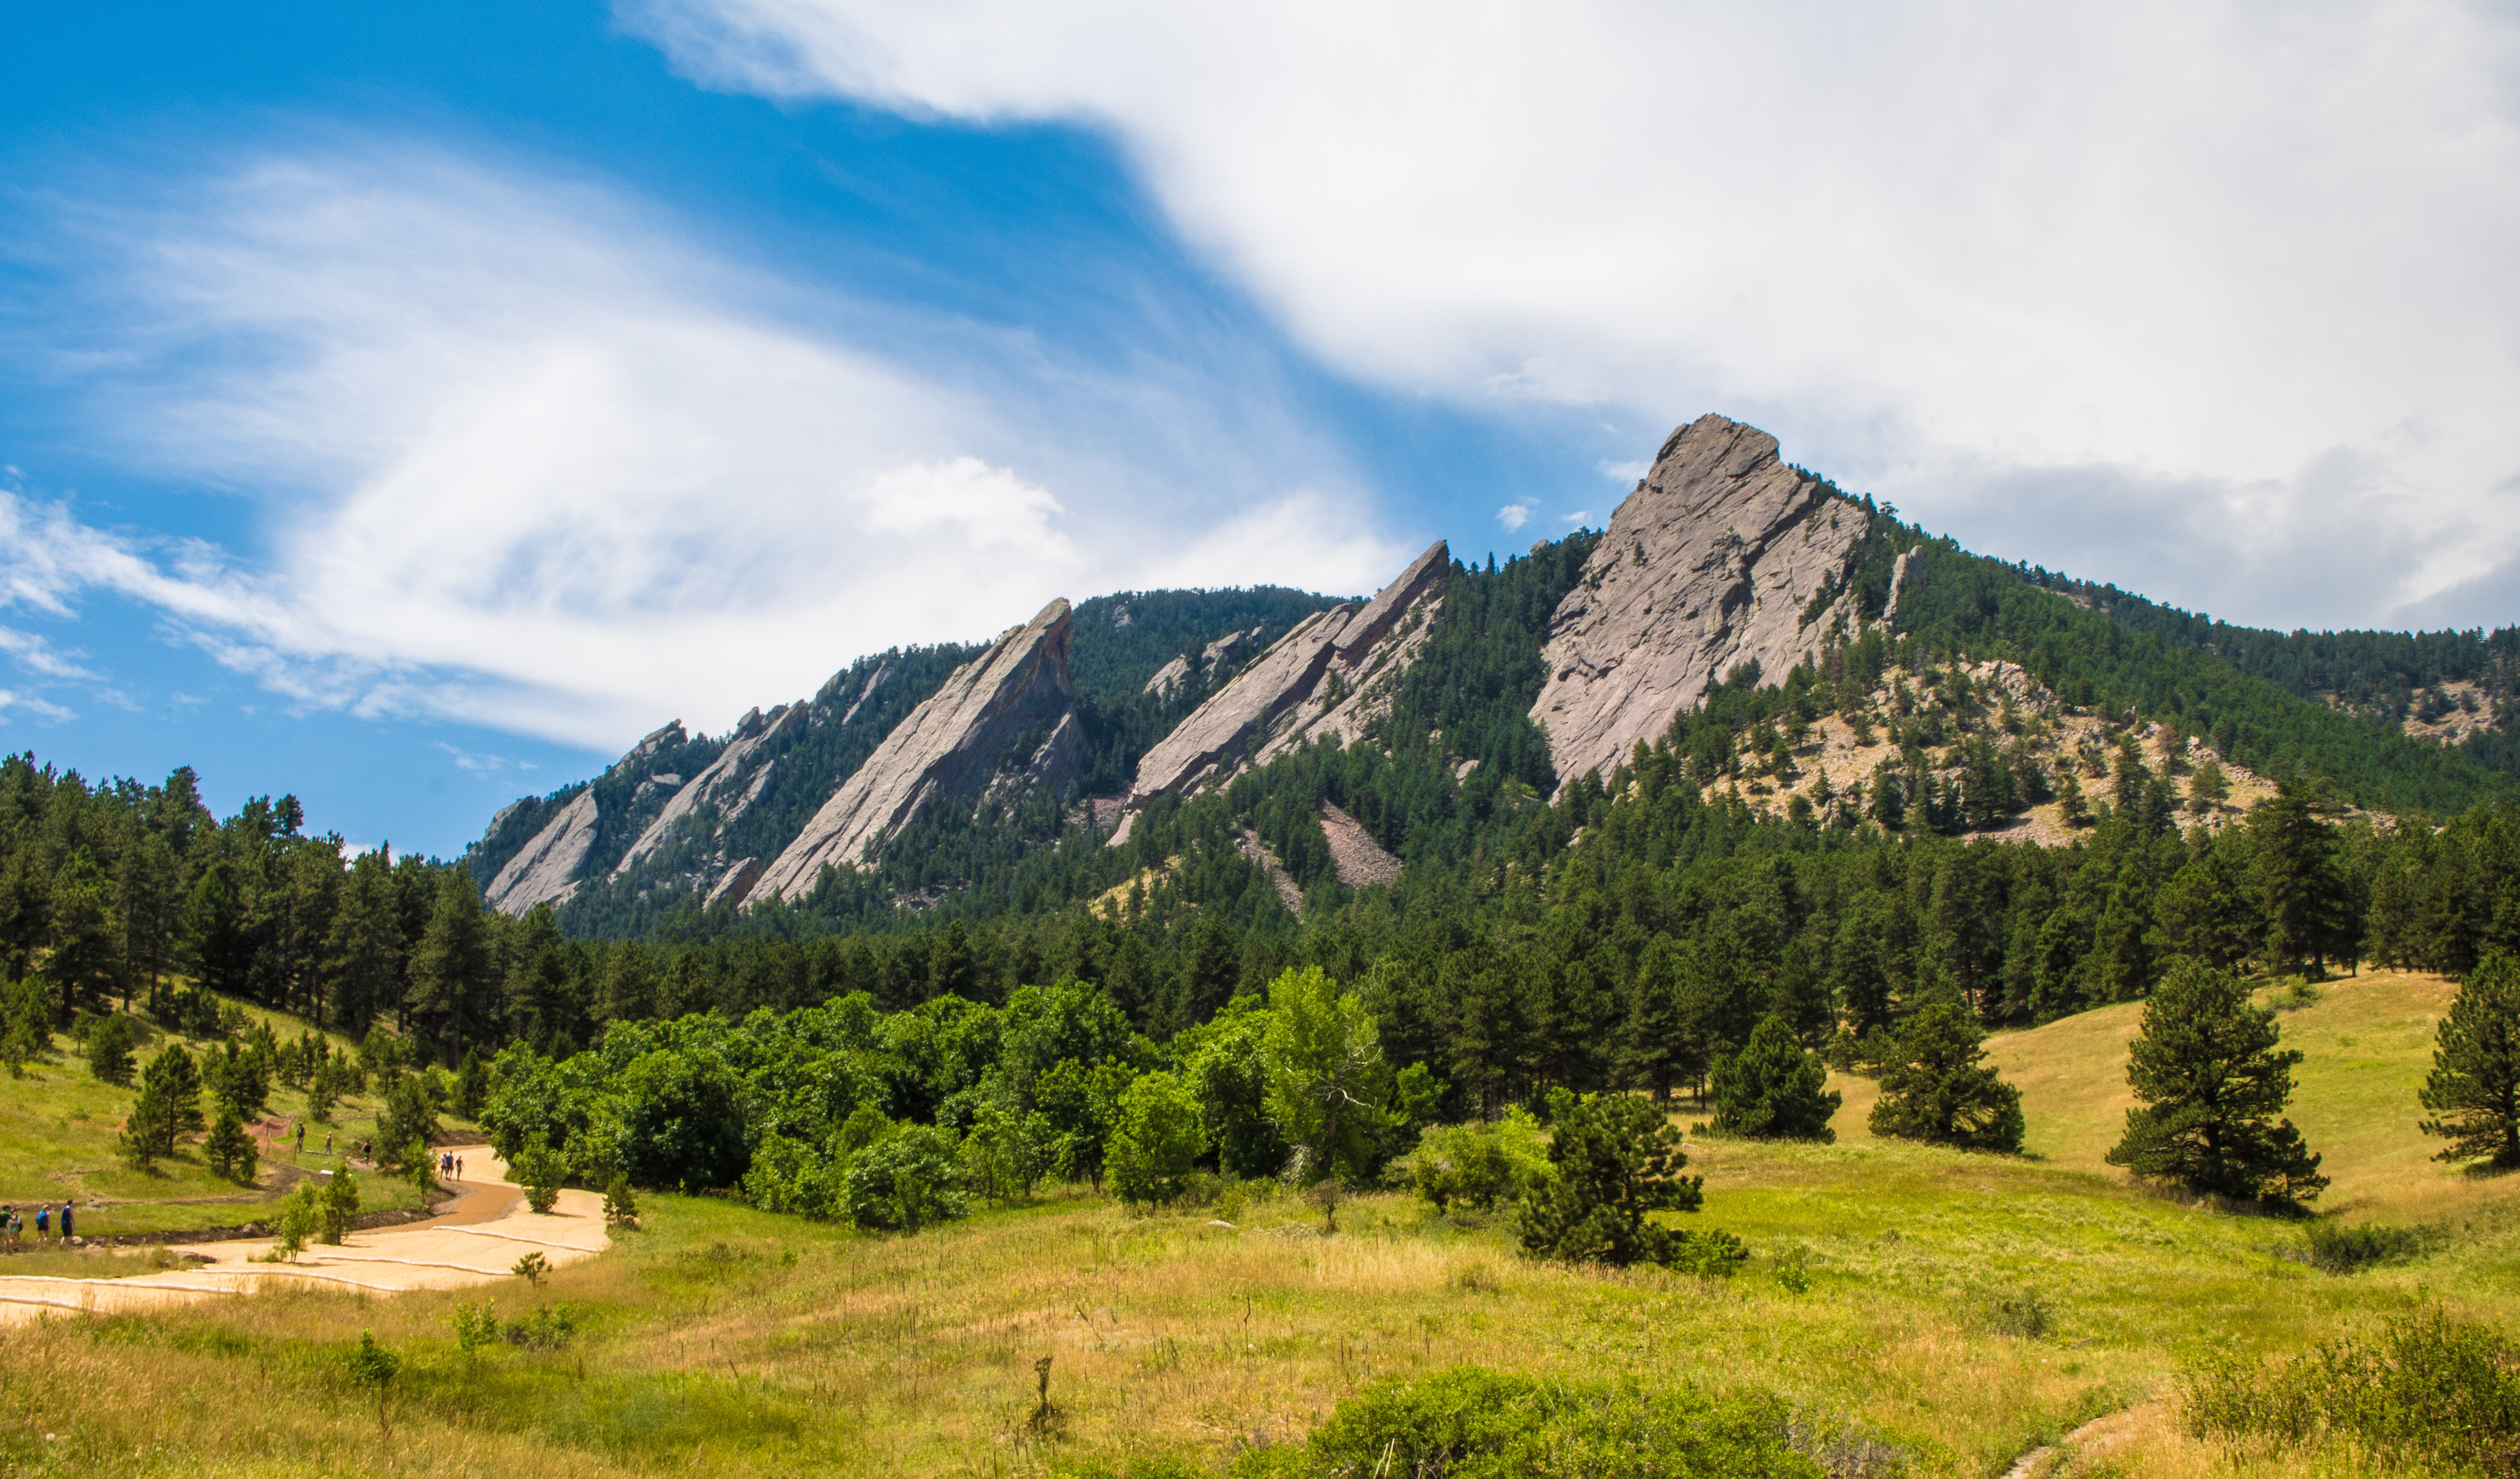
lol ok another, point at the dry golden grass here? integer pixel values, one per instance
(725, 1340)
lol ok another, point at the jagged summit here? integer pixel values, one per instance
(957, 743)
(1329, 676)
(1714, 560)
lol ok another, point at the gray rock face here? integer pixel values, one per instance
(737, 885)
(1708, 564)
(732, 782)
(1229, 647)
(1332, 675)
(955, 744)
(671, 735)
(545, 870)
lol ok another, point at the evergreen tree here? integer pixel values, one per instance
(364, 946)
(110, 1041)
(1613, 1161)
(2211, 1082)
(471, 1084)
(1774, 1088)
(1651, 1052)
(214, 942)
(2303, 898)
(229, 1149)
(451, 970)
(2474, 1088)
(168, 1108)
(85, 965)
(1939, 1092)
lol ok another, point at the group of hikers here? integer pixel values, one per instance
(12, 1223)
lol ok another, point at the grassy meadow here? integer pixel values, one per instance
(1965, 1309)
(58, 1128)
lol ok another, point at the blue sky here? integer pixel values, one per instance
(410, 409)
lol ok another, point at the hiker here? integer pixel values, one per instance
(327, 1142)
(66, 1209)
(43, 1224)
(8, 1225)
(458, 1168)
(301, 1136)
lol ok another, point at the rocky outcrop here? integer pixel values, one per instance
(1227, 649)
(545, 870)
(732, 781)
(1899, 568)
(669, 738)
(1014, 698)
(1713, 562)
(737, 885)
(1328, 677)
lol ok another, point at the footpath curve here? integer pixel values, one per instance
(475, 1241)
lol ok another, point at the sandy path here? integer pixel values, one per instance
(477, 1241)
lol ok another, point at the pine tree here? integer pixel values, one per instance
(85, 967)
(2211, 1081)
(2474, 1090)
(1650, 1051)
(1615, 1161)
(2303, 893)
(1939, 1092)
(169, 1105)
(1773, 1089)
(229, 1149)
(450, 971)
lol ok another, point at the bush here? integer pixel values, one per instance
(2425, 1393)
(2341, 1250)
(2027, 1315)
(540, 1170)
(545, 1329)
(1480, 1166)
(620, 1204)
(905, 1182)
(1472, 1423)
(1158, 1143)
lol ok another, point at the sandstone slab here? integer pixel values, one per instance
(545, 870)
(955, 744)
(1712, 563)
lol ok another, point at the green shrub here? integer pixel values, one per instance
(540, 1170)
(2027, 1315)
(1480, 1166)
(2341, 1250)
(907, 1181)
(476, 1326)
(1472, 1423)
(545, 1329)
(1158, 1143)
(2425, 1393)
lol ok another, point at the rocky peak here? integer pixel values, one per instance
(1710, 564)
(1331, 676)
(545, 870)
(1013, 698)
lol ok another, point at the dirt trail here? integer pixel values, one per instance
(477, 1241)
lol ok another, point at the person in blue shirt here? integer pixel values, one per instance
(43, 1224)
(66, 1209)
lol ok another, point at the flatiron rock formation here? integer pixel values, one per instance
(1710, 564)
(733, 782)
(1331, 676)
(1014, 695)
(1228, 649)
(545, 870)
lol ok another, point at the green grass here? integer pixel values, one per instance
(57, 1130)
(725, 1340)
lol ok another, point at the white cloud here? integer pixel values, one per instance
(529, 458)
(1513, 515)
(1630, 473)
(10, 699)
(36, 654)
(1949, 252)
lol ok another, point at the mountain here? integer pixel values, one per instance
(1741, 612)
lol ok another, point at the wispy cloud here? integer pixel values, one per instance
(534, 459)
(477, 763)
(11, 701)
(2211, 245)
(1514, 515)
